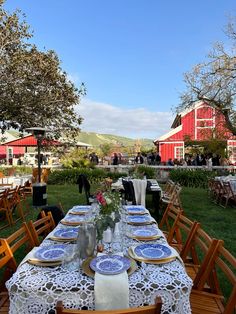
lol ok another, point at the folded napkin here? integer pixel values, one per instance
(140, 191)
(111, 291)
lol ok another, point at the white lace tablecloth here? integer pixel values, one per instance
(35, 290)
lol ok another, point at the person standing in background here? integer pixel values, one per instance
(115, 159)
(139, 158)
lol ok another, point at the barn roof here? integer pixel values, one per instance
(168, 134)
(29, 140)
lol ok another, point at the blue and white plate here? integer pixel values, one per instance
(136, 210)
(135, 219)
(73, 220)
(69, 233)
(145, 232)
(51, 253)
(80, 210)
(152, 251)
(110, 264)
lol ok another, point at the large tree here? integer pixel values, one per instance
(214, 81)
(34, 91)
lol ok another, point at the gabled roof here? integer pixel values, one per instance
(29, 140)
(6, 137)
(176, 123)
(170, 133)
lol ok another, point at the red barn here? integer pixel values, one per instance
(199, 123)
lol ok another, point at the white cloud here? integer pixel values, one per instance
(135, 123)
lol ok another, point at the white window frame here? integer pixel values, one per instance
(175, 152)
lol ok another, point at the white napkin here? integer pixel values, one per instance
(111, 291)
(140, 191)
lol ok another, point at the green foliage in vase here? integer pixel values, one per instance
(109, 203)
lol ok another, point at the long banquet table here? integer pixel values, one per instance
(36, 289)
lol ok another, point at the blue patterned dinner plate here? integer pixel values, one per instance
(81, 209)
(152, 251)
(69, 233)
(136, 209)
(51, 253)
(73, 219)
(145, 232)
(110, 264)
(135, 219)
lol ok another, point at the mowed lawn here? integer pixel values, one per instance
(217, 221)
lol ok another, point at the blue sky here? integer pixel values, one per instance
(131, 54)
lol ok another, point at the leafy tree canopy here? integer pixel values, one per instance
(214, 81)
(34, 90)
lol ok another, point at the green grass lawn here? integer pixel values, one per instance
(217, 221)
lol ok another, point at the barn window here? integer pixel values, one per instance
(179, 152)
(232, 153)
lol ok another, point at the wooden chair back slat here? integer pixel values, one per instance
(7, 263)
(41, 227)
(223, 263)
(20, 237)
(151, 309)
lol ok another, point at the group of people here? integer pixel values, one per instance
(208, 160)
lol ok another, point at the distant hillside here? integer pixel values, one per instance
(97, 139)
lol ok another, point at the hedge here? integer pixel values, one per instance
(69, 176)
(192, 177)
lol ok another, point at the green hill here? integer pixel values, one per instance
(97, 139)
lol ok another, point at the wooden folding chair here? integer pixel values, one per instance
(41, 227)
(198, 255)
(219, 301)
(28, 190)
(182, 234)
(227, 195)
(218, 191)
(151, 309)
(21, 238)
(174, 197)
(169, 221)
(4, 207)
(168, 188)
(11, 202)
(8, 266)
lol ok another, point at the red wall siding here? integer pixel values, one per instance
(167, 150)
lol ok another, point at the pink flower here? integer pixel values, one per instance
(101, 199)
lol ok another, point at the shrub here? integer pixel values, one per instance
(16, 170)
(143, 170)
(192, 177)
(70, 176)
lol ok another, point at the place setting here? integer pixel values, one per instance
(108, 264)
(136, 210)
(140, 220)
(153, 253)
(65, 235)
(51, 255)
(73, 220)
(144, 233)
(80, 210)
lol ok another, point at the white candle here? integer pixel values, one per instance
(107, 235)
